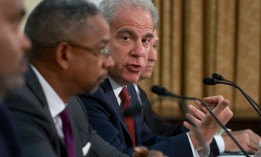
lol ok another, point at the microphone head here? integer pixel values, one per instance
(210, 81)
(218, 77)
(159, 90)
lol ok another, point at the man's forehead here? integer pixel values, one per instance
(14, 4)
(11, 7)
(133, 17)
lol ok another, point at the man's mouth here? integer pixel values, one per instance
(135, 68)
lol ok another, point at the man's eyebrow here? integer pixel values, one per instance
(125, 31)
(149, 35)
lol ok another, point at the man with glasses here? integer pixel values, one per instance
(68, 57)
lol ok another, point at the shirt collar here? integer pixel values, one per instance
(116, 88)
(55, 103)
(137, 92)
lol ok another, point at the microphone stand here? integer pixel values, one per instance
(212, 81)
(223, 127)
(221, 78)
(167, 93)
(204, 152)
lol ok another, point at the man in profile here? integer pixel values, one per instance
(12, 66)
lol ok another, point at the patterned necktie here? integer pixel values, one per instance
(129, 121)
(68, 134)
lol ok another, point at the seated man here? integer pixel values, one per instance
(13, 43)
(247, 138)
(132, 25)
(68, 57)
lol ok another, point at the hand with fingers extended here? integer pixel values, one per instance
(206, 124)
(141, 151)
(247, 138)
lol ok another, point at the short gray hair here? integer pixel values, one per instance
(54, 21)
(108, 8)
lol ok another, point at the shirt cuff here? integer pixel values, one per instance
(220, 143)
(194, 151)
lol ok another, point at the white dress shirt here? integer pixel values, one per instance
(55, 103)
(116, 89)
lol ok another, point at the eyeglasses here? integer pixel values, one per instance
(104, 52)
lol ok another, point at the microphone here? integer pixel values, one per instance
(221, 78)
(161, 91)
(213, 81)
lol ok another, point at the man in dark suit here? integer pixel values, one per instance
(132, 25)
(159, 126)
(68, 57)
(12, 66)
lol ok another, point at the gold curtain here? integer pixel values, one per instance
(200, 37)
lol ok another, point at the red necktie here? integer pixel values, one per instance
(129, 121)
(68, 134)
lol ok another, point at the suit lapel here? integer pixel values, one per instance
(33, 83)
(112, 100)
(78, 119)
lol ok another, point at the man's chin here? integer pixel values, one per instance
(145, 75)
(11, 84)
(132, 79)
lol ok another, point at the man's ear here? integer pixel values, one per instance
(62, 55)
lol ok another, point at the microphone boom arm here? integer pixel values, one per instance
(221, 78)
(223, 127)
(213, 81)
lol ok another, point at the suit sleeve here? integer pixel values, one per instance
(30, 124)
(9, 143)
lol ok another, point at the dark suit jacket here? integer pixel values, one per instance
(105, 115)
(37, 129)
(9, 144)
(159, 126)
